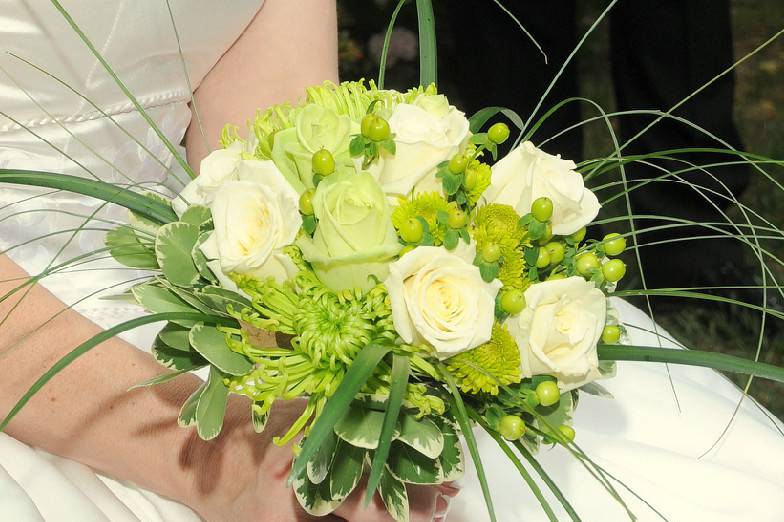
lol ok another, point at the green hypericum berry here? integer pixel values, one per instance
(548, 234)
(512, 301)
(556, 275)
(611, 334)
(406, 250)
(457, 218)
(567, 431)
(306, 202)
(614, 270)
(578, 236)
(556, 251)
(614, 244)
(542, 209)
(491, 252)
(543, 261)
(498, 133)
(323, 163)
(470, 179)
(375, 128)
(548, 393)
(587, 263)
(458, 164)
(411, 230)
(511, 427)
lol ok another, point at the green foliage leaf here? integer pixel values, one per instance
(160, 379)
(393, 494)
(259, 416)
(196, 215)
(346, 471)
(451, 238)
(337, 406)
(531, 254)
(319, 466)
(211, 343)
(175, 336)
(314, 498)
(357, 146)
(361, 427)
(309, 224)
(173, 247)
(200, 260)
(410, 466)
(187, 415)
(421, 434)
(219, 299)
(451, 459)
(401, 365)
(212, 406)
(175, 359)
(158, 300)
(127, 250)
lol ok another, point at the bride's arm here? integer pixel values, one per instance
(290, 45)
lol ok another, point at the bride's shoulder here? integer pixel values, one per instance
(138, 39)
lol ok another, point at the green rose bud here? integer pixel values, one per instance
(316, 128)
(354, 238)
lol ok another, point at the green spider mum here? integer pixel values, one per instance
(484, 368)
(483, 175)
(500, 224)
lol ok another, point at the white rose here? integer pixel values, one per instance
(528, 173)
(439, 297)
(255, 216)
(219, 166)
(558, 330)
(427, 132)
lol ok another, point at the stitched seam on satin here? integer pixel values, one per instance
(148, 102)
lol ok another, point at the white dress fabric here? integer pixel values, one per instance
(639, 436)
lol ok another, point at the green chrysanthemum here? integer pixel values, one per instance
(426, 206)
(485, 367)
(483, 175)
(500, 224)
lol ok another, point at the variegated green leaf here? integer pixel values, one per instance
(421, 434)
(594, 388)
(319, 466)
(126, 249)
(361, 427)
(314, 498)
(211, 343)
(451, 459)
(393, 493)
(212, 406)
(200, 260)
(259, 416)
(554, 416)
(218, 299)
(196, 215)
(188, 411)
(175, 359)
(156, 300)
(409, 465)
(173, 246)
(346, 470)
(187, 295)
(175, 336)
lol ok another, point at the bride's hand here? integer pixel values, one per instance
(241, 477)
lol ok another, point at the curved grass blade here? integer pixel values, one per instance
(337, 405)
(428, 57)
(465, 427)
(154, 210)
(547, 480)
(382, 66)
(519, 465)
(522, 28)
(100, 338)
(401, 365)
(717, 361)
(167, 143)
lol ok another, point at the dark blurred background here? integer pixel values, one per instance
(483, 57)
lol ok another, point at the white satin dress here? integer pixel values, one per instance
(639, 436)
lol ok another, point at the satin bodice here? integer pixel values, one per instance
(48, 126)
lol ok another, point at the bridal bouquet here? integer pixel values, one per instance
(367, 251)
(362, 250)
